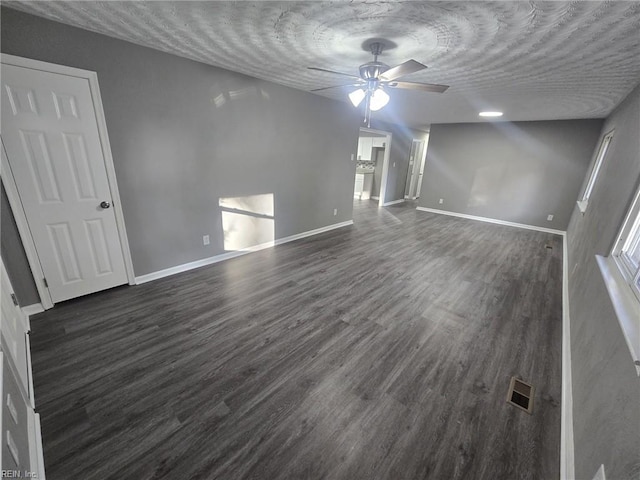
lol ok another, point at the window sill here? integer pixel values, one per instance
(582, 205)
(625, 304)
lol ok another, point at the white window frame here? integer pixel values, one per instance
(622, 279)
(593, 176)
(628, 241)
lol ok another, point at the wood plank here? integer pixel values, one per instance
(378, 351)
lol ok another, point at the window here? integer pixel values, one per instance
(621, 274)
(602, 152)
(626, 252)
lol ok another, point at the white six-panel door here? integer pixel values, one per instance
(50, 134)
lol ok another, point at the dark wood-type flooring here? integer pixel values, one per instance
(378, 351)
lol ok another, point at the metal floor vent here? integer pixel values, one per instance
(520, 395)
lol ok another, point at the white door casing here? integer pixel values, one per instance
(14, 326)
(22, 432)
(56, 155)
(415, 160)
(422, 162)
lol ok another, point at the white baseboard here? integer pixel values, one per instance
(492, 220)
(36, 457)
(33, 309)
(31, 392)
(228, 255)
(393, 202)
(167, 272)
(375, 198)
(567, 463)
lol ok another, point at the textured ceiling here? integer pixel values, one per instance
(533, 60)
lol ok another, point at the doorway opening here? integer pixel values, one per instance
(371, 165)
(417, 158)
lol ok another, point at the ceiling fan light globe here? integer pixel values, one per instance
(378, 100)
(357, 96)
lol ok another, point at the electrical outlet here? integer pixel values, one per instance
(394, 164)
(441, 201)
(353, 157)
(335, 212)
(205, 240)
(549, 217)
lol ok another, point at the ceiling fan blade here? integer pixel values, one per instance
(337, 86)
(424, 87)
(410, 66)
(332, 71)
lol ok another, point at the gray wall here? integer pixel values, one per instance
(518, 172)
(401, 140)
(184, 134)
(606, 388)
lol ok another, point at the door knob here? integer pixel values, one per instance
(105, 204)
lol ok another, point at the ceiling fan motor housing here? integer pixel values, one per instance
(373, 70)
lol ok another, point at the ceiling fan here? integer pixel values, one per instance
(375, 77)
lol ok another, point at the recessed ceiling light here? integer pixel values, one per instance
(490, 114)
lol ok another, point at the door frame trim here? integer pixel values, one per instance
(12, 191)
(423, 164)
(415, 171)
(23, 229)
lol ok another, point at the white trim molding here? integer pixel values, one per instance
(625, 304)
(2, 397)
(582, 206)
(16, 206)
(228, 255)
(31, 391)
(393, 202)
(33, 309)
(36, 454)
(492, 220)
(603, 148)
(23, 229)
(567, 463)
(111, 175)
